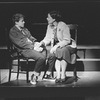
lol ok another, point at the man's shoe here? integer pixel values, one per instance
(33, 79)
(48, 76)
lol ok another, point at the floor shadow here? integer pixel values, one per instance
(42, 83)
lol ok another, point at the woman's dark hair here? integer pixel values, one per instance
(55, 15)
(17, 17)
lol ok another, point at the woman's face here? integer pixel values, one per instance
(50, 19)
(21, 22)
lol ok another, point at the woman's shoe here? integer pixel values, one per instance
(63, 80)
(33, 79)
(57, 80)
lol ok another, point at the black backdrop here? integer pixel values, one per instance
(85, 14)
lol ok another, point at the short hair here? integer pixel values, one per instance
(17, 17)
(55, 15)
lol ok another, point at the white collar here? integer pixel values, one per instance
(18, 27)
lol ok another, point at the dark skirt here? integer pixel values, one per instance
(65, 53)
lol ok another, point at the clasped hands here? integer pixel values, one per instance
(53, 49)
(37, 46)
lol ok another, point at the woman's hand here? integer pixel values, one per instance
(37, 44)
(53, 49)
(42, 43)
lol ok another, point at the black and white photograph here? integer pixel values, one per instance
(50, 50)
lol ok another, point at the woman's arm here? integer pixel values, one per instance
(48, 37)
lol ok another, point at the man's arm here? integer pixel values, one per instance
(31, 38)
(19, 40)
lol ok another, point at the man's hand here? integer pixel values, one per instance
(37, 44)
(37, 47)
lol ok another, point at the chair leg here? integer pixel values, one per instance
(44, 74)
(9, 74)
(18, 68)
(27, 76)
(45, 69)
(27, 72)
(75, 74)
(10, 67)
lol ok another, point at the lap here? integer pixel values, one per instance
(65, 53)
(30, 53)
(65, 49)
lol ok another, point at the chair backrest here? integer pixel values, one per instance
(10, 48)
(8, 42)
(10, 45)
(73, 31)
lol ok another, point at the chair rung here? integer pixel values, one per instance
(22, 72)
(25, 60)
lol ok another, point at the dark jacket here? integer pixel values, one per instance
(20, 39)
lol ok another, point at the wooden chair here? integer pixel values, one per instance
(73, 31)
(13, 54)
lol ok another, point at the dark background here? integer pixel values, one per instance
(86, 14)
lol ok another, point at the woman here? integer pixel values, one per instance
(58, 34)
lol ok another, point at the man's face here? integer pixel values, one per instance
(50, 19)
(20, 23)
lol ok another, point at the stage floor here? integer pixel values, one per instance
(85, 79)
(88, 84)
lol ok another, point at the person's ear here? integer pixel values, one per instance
(16, 22)
(54, 20)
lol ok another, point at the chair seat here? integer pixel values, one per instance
(18, 56)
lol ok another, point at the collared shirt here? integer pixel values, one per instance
(21, 29)
(63, 35)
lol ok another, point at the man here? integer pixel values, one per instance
(27, 45)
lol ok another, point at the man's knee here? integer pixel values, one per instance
(42, 58)
(52, 56)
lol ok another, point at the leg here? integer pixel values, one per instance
(57, 67)
(39, 65)
(51, 63)
(40, 61)
(63, 69)
(38, 57)
(10, 68)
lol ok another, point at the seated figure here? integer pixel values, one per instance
(27, 45)
(63, 46)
